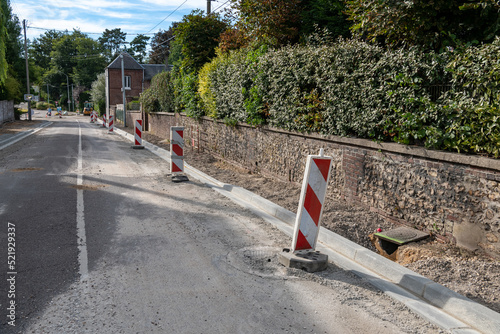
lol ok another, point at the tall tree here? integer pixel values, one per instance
(13, 64)
(199, 36)
(324, 14)
(138, 47)
(429, 24)
(111, 40)
(98, 92)
(89, 61)
(42, 46)
(64, 54)
(3, 44)
(274, 22)
(161, 45)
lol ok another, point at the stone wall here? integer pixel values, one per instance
(6, 111)
(455, 196)
(132, 116)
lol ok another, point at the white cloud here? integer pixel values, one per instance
(94, 16)
(191, 4)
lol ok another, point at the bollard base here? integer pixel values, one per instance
(138, 147)
(308, 260)
(179, 178)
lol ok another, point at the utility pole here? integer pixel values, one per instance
(27, 70)
(67, 84)
(124, 98)
(72, 99)
(208, 7)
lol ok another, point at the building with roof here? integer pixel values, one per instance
(137, 79)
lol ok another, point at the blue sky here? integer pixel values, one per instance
(94, 16)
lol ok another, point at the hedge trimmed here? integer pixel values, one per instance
(355, 89)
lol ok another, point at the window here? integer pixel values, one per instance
(128, 82)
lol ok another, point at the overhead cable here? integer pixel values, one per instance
(167, 16)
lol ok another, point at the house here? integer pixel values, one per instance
(137, 79)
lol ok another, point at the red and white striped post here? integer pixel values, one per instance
(138, 134)
(104, 120)
(176, 149)
(111, 125)
(177, 153)
(312, 196)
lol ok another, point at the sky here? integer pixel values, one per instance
(94, 16)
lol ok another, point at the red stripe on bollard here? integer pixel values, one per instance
(307, 223)
(176, 149)
(111, 125)
(138, 132)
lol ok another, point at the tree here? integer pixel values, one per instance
(111, 41)
(138, 47)
(41, 48)
(64, 57)
(199, 36)
(89, 61)
(161, 45)
(98, 92)
(429, 24)
(274, 22)
(11, 62)
(324, 14)
(77, 56)
(175, 53)
(3, 45)
(232, 39)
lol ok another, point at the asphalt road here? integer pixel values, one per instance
(103, 242)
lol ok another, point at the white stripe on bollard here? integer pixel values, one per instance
(138, 132)
(111, 125)
(310, 209)
(176, 149)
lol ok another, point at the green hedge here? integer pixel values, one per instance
(350, 88)
(44, 105)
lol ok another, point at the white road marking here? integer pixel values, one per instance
(80, 214)
(14, 139)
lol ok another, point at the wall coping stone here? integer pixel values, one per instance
(417, 151)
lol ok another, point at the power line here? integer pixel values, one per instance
(171, 38)
(167, 16)
(223, 5)
(86, 33)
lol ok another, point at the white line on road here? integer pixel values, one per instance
(14, 139)
(80, 213)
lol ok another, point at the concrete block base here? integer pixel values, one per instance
(137, 147)
(179, 178)
(310, 261)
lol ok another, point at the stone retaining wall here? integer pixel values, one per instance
(455, 196)
(6, 111)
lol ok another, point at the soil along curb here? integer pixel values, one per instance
(436, 303)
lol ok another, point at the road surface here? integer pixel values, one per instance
(95, 238)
